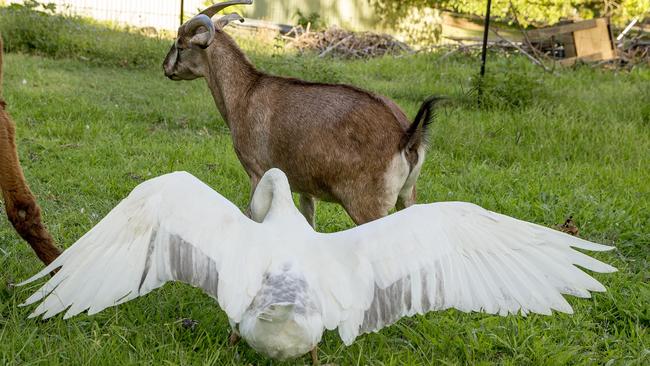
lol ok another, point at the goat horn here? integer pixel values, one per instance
(224, 20)
(202, 39)
(214, 9)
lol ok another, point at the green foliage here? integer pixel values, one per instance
(36, 28)
(420, 27)
(313, 20)
(505, 88)
(542, 12)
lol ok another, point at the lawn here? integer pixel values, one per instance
(543, 147)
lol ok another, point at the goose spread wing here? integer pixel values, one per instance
(170, 228)
(450, 255)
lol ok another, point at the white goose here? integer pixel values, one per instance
(283, 284)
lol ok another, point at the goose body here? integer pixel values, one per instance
(282, 284)
(282, 321)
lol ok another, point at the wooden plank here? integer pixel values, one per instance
(460, 22)
(255, 24)
(595, 40)
(540, 34)
(572, 60)
(457, 25)
(569, 45)
(612, 43)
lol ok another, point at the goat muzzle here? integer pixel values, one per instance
(170, 61)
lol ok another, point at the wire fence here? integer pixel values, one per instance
(166, 14)
(159, 14)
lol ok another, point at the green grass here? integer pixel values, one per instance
(37, 29)
(579, 145)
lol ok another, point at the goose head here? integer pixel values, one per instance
(272, 199)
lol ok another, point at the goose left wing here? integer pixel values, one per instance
(447, 255)
(170, 228)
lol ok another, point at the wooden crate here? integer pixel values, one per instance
(589, 40)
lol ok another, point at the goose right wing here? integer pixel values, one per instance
(448, 255)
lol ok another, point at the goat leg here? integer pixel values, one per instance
(406, 199)
(25, 216)
(22, 210)
(308, 208)
(314, 356)
(234, 338)
(255, 179)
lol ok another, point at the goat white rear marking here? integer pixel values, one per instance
(395, 177)
(413, 176)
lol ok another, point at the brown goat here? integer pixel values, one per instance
(21, 206)
(337, 143)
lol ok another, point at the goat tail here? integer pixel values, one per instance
(417, 133)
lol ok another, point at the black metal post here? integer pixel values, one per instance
(183, 11)
(486, 31)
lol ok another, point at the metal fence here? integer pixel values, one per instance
(160, 14)
(350, 14)
(166, 14)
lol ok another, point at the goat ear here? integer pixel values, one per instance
(224, 20)
(202, 40)
(192, 27)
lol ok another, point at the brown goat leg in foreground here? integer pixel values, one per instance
(22, 209)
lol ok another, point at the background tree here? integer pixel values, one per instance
(535, 12)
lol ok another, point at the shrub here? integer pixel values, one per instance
(314, 20)
(420, 27)
(505, 88)
(36, 28)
